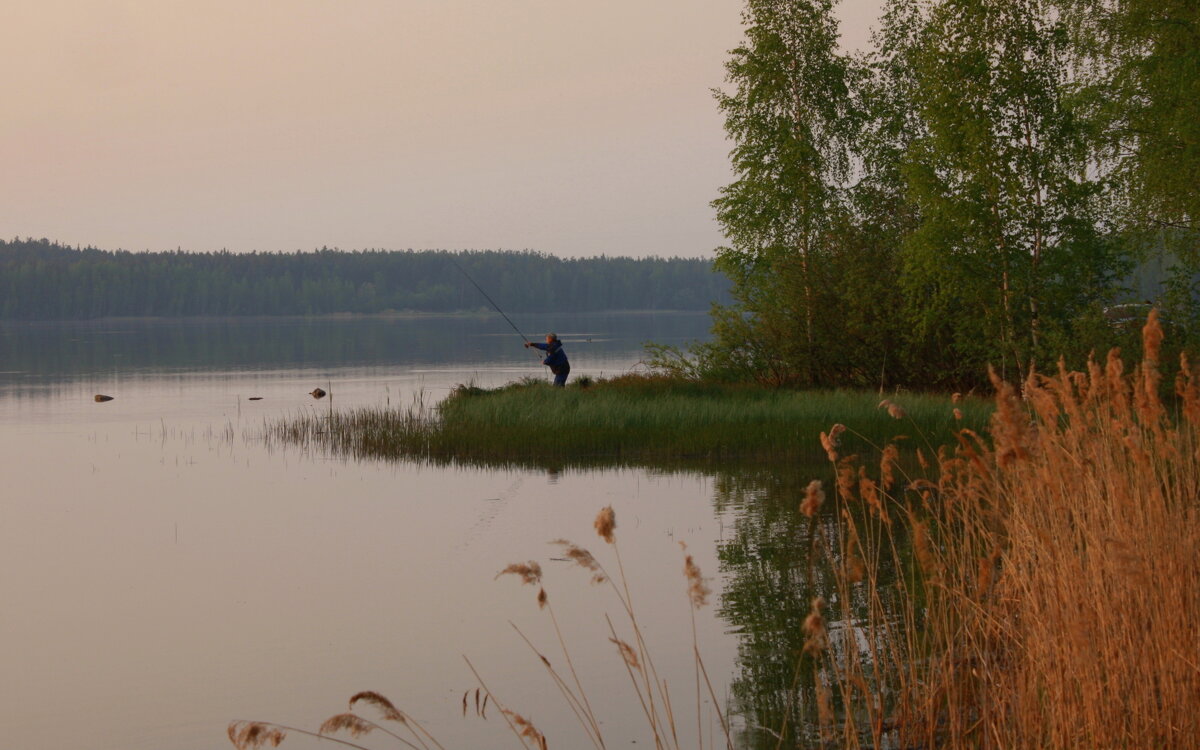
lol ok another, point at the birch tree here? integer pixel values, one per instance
(1008, 249)
(787, 115)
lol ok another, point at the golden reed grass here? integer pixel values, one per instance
(651, 690)
(645, 683)
(253, 735)
(1055, 600)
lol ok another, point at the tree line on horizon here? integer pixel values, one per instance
(979, 187)
(43, 280)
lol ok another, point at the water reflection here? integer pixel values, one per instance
(174, 573)
(772, 562)
(775, 563)
(766, 595)
(37, 353)
(170, 574)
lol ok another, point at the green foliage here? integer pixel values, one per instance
(1007, 242)
(788, 117)
(648, 420)
(1139, 68)
(1137, 63)
(954, 197)
(40, 280)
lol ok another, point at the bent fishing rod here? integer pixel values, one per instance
(463, 271)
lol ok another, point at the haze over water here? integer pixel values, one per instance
(164, 572)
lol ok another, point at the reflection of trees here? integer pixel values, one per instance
(766, 599)
(774, 567)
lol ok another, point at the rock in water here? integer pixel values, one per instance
(318, 393)
(101, 398)
(255, 398)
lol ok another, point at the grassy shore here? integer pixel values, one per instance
(635, 419)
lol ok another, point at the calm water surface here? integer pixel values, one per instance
(163, 572)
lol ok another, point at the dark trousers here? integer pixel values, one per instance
(560, 376)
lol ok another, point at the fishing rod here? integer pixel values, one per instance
(463, 271)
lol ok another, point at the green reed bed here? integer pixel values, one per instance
(633, 419)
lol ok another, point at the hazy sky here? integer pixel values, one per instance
(567, 127)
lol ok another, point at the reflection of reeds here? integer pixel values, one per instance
(1055, 596)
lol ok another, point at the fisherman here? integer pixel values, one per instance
(556, 358)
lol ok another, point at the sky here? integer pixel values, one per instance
(570, 128)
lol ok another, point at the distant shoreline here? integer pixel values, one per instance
(40, 280)
(390, 315)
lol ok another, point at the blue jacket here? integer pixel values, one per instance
(556, 358)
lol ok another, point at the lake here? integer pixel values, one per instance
(165, 571)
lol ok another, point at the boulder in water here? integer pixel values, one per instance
(101, 398)
(317, 393)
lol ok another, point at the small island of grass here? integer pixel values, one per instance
(635, 419)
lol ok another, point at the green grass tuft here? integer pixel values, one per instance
(633, 419)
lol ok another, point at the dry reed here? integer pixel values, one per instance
(646, 684)
(1055, 600)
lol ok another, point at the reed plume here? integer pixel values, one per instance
(814, 628)
(582, 558)
(355, 725)
(606, 522)
(832, 441)
(698, 590)
(529, 572)
(627, 653)
(814, 496)
(389, 711)
(887, 465)
(526, 730)
(250, 735)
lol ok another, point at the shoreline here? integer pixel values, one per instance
(391, 315)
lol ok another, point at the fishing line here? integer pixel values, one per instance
(463, 271)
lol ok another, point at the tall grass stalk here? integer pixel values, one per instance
(1052, 598)
(652, 691)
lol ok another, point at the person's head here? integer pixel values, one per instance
(551, 338)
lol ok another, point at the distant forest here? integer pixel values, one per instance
(42, 280)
